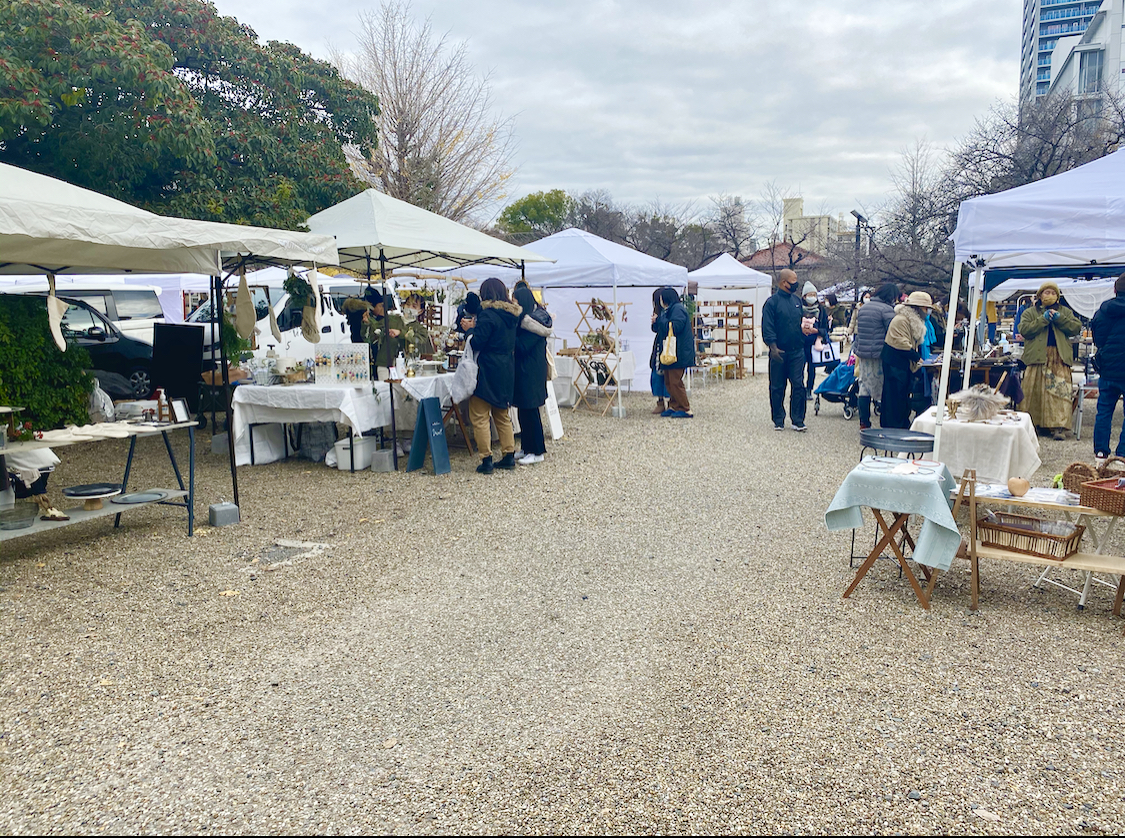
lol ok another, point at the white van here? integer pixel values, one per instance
(270, 293)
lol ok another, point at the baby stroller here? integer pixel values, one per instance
(840, 387)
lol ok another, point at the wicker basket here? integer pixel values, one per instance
(1076, 474)
(1103, 495)
(1021, 534)
(1113, 467)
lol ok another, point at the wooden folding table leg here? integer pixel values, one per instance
(888, 538)
(453, 409)
(900, 520)
(1117, 600)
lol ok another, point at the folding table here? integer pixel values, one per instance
(881, 485)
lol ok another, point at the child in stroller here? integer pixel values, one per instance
(839, 387)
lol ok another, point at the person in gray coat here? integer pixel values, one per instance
(872, 322)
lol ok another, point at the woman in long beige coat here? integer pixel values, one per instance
(1047, 328)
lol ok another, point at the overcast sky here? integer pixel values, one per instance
(681, 100)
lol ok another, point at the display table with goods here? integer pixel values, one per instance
(361, 408)
(890, 486)
(98, 500)
(997, 449)
(1030, 539)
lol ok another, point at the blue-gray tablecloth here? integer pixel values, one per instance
(873, 484)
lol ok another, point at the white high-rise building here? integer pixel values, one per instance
(1073, 45)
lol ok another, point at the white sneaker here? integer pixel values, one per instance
(530, 459)
(519, 455)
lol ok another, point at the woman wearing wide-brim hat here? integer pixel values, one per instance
(1047, 328)
(901, 358)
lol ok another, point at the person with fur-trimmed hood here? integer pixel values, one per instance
(494, 342)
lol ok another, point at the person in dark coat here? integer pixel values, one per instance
(901, 359)
(656, 379)
(467, 314)
(674, 314)
(1108, 329)
(494, 343)
(871, 324)
(781, 331)
(530, 391)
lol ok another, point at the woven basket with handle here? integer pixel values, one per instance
(1076, 474)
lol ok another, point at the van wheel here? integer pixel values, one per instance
(141, 383)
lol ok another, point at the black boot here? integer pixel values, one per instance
(485, 466)
(507, 462)
(864, 412)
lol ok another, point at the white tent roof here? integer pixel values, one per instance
(1072, 219)
(1085, 296)
(408, 236)
(728, 272)
(49, 225)
(583, 260)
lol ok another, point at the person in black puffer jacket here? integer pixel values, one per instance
(1108, 328)
(674, 314)
(871, 324)
(494, 342)
(530, 392)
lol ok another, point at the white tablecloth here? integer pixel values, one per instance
(361, 408)
(998, 450)
(409, 392)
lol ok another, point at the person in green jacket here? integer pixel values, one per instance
(384, 349)
(1047, 328)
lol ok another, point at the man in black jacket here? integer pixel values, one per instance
(781, 330)
(1108, 327)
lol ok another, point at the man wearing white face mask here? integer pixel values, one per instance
(814, 325)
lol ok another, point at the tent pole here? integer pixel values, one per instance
(386, 338)
(619, 411)
(227, 400)
(971, 328)
(943, 387)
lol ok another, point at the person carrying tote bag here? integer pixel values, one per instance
(678, 353)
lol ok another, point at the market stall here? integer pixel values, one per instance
(726, 280)
(51, 227)
(375, 233)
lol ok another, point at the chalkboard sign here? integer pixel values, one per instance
(429, 432)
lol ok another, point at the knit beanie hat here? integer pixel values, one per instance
(1045, 286)
(808, 289)
(1119, 286)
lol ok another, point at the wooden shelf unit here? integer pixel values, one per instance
(732, 325)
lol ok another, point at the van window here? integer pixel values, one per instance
(96, 299)
(290, 317)
(137, 305)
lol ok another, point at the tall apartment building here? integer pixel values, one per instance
(1073, 45)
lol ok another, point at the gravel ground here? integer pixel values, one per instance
(643, 634)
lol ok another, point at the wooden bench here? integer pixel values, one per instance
(973, 551)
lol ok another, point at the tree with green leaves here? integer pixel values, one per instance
(536, 215)
(239, 131)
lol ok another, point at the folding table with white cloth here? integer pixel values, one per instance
(360, 408)
(997, 449)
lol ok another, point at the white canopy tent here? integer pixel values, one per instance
(727, 279)
(1085, 296)
(587, 266)
(50, 226)
(1068, 222)
(373, 230)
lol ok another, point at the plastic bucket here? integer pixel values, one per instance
(364, 445)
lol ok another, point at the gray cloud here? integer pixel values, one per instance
(683, 100)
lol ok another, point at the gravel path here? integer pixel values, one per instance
(643, 634)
